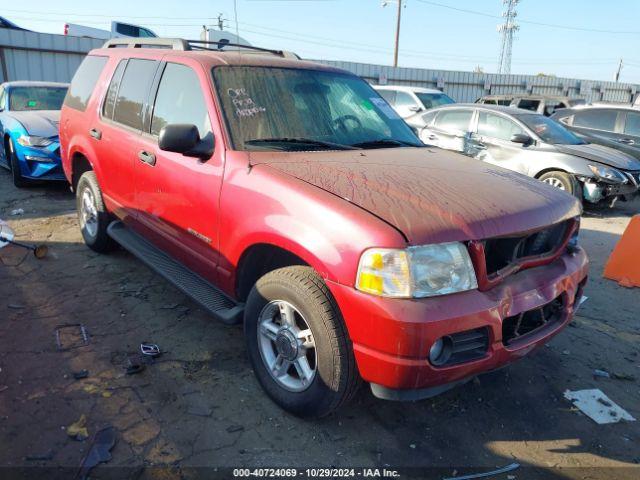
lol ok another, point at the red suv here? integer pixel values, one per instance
(289, 196)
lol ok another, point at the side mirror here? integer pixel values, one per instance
(522, 138)
(185, 139)
(415, 109)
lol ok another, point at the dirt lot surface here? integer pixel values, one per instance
(198, 406)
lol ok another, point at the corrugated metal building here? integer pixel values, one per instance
(468, 86)
(41, 56)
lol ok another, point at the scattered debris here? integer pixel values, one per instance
(583, 299)
(597, 406)
(103, 442)
(566, 352)
(3, 388)
(509, 468)
(150, 349)
(200, 411)
(15, 306)
(81, 338)
(133, 366)
(601, 373)
(16, 212)
(78, 429)
(80, 374)
(39, 251)
(39, 457)
(623, 376)
(235, 428)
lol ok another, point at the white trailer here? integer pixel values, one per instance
(118, 29)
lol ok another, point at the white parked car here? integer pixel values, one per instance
(408, 101)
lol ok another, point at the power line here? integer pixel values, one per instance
(531, 22)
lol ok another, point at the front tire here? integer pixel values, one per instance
(563, 181)
(298, 344)
(18, 180)
(92, 214)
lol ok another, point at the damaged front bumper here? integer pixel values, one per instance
(392, 338)
(595, 191)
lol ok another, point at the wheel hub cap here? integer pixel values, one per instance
(89, 213)
(287, 346)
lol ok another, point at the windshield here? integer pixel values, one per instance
(294, 109)
(36, 98)
(549, 130)
(432, 100)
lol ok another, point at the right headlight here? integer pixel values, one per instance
(424, 271)
(608, 174)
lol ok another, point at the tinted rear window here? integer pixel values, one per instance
(84, 81)
(596, 119)
(133, 91)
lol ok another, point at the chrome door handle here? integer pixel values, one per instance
(626, 141)
(147, 157)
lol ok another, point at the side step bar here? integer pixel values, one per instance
(190, 283)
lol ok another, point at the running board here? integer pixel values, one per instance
(212, 299)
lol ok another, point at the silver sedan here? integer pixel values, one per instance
(533, 145)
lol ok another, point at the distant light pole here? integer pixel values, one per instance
(397, 43)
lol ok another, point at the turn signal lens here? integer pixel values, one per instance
(384, 272)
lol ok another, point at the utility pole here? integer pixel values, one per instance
(617, 76)
(398, 21)
(507, 29)
(395, 51)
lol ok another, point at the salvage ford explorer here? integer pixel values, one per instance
(289, 196)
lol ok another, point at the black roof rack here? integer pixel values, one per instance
(182, 44)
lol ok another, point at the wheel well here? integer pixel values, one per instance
(547, 170)
(258, 260)
(79, 165)
(5, 144)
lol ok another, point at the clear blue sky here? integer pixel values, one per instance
(361, 30)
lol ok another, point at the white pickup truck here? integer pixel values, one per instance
(118, 29)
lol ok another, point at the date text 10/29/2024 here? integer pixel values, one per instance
(315, 472)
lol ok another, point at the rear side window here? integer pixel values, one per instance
(632, 125)
(389, 96)
(454, 120)
(180, 100)
(84, 81)
(110, 99)
(596, 119)
(529, 105)
(133, 91)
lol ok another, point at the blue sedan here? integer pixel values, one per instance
(29, 118)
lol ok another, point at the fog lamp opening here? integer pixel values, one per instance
(440, 351)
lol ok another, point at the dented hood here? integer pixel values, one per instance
(430, 195)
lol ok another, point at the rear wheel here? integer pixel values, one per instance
(563, 181)
(92, 214)
(298, 344)
(16, 175)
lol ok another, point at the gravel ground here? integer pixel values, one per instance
(198, 406)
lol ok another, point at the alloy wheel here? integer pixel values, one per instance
(287, 346)
(89, 213)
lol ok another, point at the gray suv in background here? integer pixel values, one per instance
(614, 126)
(534, 145)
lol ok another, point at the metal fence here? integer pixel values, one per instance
(468, 86)
(41, 56)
